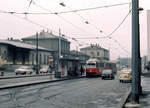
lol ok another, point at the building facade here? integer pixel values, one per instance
(63, 59)
(49, 41)
(19, 53)
(95, 51)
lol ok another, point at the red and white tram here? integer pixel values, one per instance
(95, 67)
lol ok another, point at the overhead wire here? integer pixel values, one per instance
(84, 19)
(33, 22)
(30, 3)
(120, 46)
(105, 6)
(108, 36)
(67, 21)
(42, 26)
(78, 15)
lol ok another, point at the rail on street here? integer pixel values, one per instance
(72, 93)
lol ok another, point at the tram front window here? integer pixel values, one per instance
(91, 65)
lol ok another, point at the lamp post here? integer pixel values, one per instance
(37, 55)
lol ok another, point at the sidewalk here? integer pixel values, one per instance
(25, 81)
(144, 100)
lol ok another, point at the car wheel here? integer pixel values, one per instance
(120, 81)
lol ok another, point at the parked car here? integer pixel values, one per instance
(125, 75)
(24, 70)
(45, 69)
(107, 74)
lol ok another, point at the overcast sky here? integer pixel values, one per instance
(101, 21)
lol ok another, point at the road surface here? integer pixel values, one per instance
(76, 93)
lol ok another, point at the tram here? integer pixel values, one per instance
(95, 67)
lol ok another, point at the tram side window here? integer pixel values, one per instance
(101, 64)
(110, 65)
(106, 65)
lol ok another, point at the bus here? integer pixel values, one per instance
(95, 67)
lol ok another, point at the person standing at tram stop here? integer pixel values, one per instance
(81, 70)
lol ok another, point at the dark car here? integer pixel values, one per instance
(107, 74)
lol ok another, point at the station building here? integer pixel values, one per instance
(17, 53)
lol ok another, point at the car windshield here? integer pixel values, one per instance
(106, 71)
(126, 71)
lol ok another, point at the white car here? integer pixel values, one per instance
(45, 69)
(24, 70)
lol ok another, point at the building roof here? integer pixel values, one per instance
(44, 35)
(93, 47)
(22, 45)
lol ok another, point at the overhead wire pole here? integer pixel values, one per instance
(59, 50)
(37, 55)
(59, 43)
(135, 52)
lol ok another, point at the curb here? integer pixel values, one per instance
(124, 99)
(35, 83)
(11, 77)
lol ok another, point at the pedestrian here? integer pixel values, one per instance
(82, 70)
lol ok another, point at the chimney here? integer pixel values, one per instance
(11, 38)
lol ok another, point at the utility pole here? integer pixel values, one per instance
(59, 50)
(37, 55)
(59, 44)
(135, 52)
